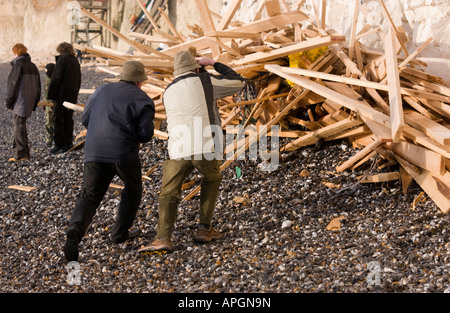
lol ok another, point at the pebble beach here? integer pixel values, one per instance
(276, 226)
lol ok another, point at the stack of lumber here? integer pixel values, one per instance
(313, 83)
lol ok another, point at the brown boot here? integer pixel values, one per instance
(206, 234)
(162, 244)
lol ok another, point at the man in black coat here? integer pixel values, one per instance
(23, 94)
(64, 86)
(118, 117)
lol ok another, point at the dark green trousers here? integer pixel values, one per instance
(174, 174)
(20, 142)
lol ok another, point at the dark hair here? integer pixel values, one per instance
(50, 68)
(65, 47)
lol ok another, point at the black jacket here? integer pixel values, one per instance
(66, 79)
(24, 86)
(118, 116)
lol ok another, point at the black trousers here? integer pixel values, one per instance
(62, 125)
(96, 180)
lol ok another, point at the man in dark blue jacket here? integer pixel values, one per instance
(118, 117)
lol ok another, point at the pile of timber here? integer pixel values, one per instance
(305, 78)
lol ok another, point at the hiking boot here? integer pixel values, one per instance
(161, 244)
(206, 234)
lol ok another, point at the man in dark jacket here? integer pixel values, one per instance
(118, 117)
(64, 86)
(23, 95)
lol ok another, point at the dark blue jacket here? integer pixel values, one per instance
(118, 117)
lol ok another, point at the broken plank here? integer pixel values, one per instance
(208, 25)
(361, 83)
(395, 99)
(429, 127)
(419, 156)
(272, 7)
(437, 106)
(368, 149)
(394, 28)
(254, 27)
(229, 14)
(424, 140)
(437, 187)
(382, 177)
(322, 133)
(138, 46)
(333, 95)
(283, 52)
(22, 188)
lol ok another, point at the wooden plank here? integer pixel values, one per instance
(419, 156)
(357, 131)
(394, 28)
(283, 52)
(437, 106)
(416, 52)
(359, 155)
(322, 133)
(334, 96)
(437, 187)
(208, 25)
(395, 99)
(273, 7)
(361, 83)
(382, 132)
(138, 46)
(429, 127)
(259, 99)
(382, 177)
(253, 27)
(433, 86)
(229, 14)
(231, 34)
(424, 140)
(22, 188)
(354, 69)
(151, 38)
(351, 48)
(170, 25)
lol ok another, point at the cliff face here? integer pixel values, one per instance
(42, 24)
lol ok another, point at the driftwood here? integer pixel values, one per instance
(304, 75)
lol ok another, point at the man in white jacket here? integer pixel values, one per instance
(195, 141)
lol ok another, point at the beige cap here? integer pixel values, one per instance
(184, 62)
(133, 71)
